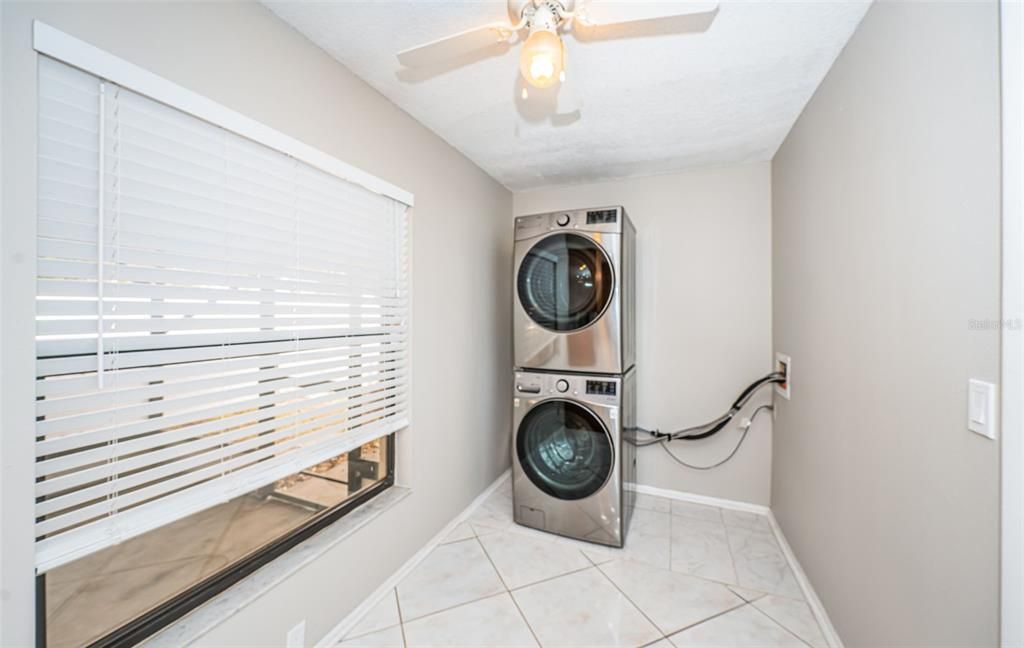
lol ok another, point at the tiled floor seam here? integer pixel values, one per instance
(742, 603)
(551, 578)
(778, 623)
(509, 591)
(401, 619)
(525, 620)
(452, 607)
(633, 603)
(732, 556)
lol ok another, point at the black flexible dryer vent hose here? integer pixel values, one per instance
(711, 428)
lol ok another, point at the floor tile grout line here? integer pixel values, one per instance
(633, 603)
(732, 556)
(505, 589)
(522, 615)
(510, 595)
(491, 562)
(773, 620)
(713, 616)
(453, 607)
(394, 594)
(551, 578)
(728, 546)
(401, 619)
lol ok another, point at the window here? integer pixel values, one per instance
(128, 590)
(221, 350)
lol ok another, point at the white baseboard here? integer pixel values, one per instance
(735, 505)
(831, 636)
(827, 629)
(338, 632)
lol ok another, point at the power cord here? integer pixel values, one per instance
(743, 437)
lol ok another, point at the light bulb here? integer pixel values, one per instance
(542, 60)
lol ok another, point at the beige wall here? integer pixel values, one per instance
(244, 57)
(703, 310)
(886, 232)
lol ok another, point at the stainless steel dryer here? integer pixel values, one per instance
(575, 283)
(570, 459)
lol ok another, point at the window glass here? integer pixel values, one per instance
(92, 596)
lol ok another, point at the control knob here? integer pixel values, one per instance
(562, 220)
(562, 385)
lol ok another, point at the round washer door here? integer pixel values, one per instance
(564, 450)
(565, 282)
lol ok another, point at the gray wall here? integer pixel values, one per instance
(244, 57)
(886, 243)
(704, 311)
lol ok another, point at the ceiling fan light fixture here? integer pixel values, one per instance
(542, 61)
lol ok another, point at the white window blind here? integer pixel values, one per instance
(212, 315)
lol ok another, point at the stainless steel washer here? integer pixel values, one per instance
(574, 304)
(571, 462)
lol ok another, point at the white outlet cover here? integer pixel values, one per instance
(297, 635)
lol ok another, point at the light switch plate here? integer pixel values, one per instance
(981, 408)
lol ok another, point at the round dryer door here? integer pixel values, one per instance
(565, 282)
(564, 450)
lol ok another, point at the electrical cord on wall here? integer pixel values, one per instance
(743, 437)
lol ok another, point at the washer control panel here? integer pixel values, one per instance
(602, 387)
(588, 388)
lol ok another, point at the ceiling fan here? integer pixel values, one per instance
(542, 60)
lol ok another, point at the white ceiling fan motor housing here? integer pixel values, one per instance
(539, 15)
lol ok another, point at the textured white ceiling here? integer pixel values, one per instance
(647, 104)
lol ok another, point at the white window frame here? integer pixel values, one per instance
(1012, 598)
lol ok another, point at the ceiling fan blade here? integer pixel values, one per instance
(456, 45)
(616, 12)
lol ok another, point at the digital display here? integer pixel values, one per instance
(601, 387)
(601, 216)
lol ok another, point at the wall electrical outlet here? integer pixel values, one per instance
(297, 636)
(784, 365)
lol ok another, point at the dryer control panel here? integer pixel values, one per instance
(607, 220)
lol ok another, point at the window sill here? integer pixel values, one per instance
(209, 615)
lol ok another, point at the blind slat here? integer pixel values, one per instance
(213, 315)
(59, 549)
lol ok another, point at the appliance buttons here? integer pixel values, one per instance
(562, 386)
(562, 220)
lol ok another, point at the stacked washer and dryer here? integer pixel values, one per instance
(574, 405)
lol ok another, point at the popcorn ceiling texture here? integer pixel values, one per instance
(647, 104)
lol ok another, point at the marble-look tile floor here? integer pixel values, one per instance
(690, 575)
